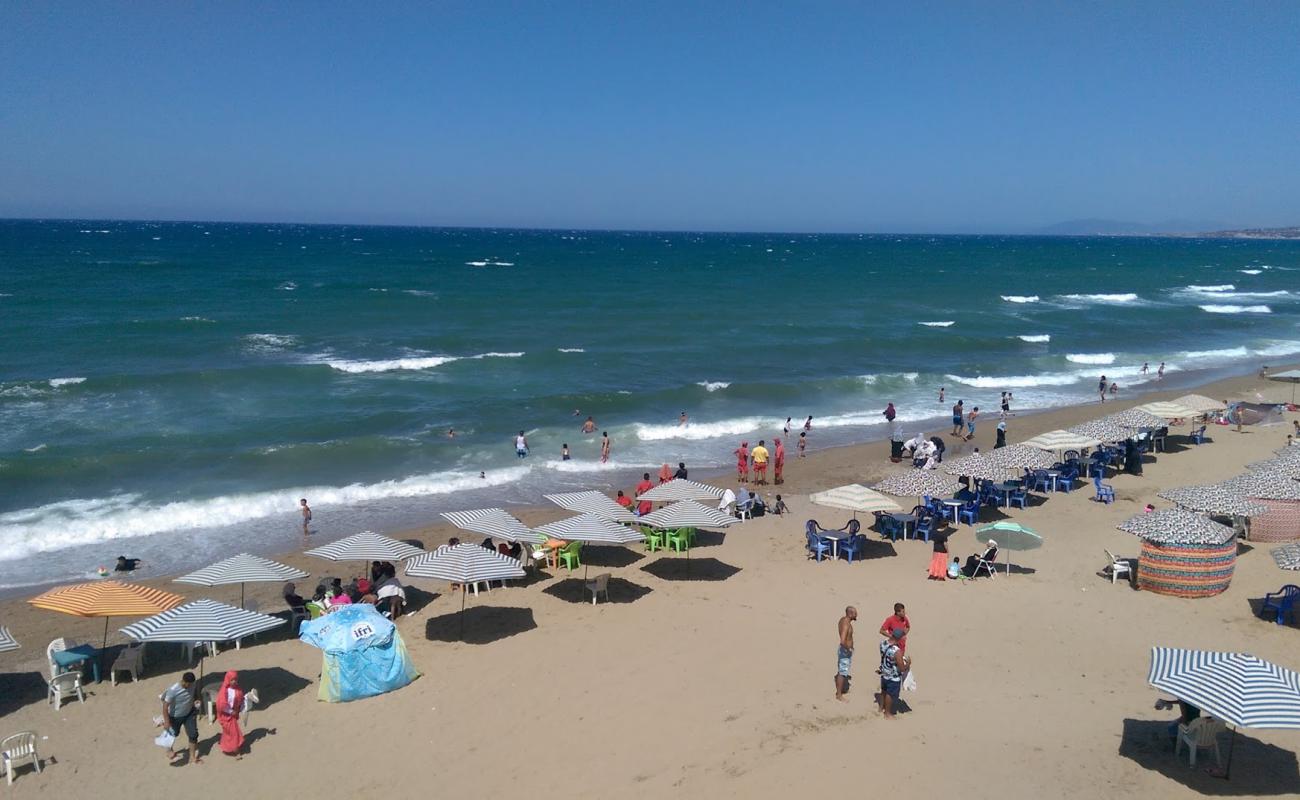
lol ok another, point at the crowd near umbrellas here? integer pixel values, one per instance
(1177, 526)
(1290, 376)
(1287, 556)
(977, 466)
(241, 569)
(592, 503)
(1236, 688)
(467, 564)
(1167, 409)
(1200, 403)
(679, 489)
(687, 514)
(1213, 499)
(7, 640)
(1011, 536)
(918, 483)
(201, 621)
(494, 522)
(366, 546)
(106, 599)
(1059, 441)
(856, 498)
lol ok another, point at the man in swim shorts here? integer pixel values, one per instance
(844, 653)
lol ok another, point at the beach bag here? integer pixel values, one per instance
(165, 739)
(909, 683)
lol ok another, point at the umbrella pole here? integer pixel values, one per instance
(463, 592)
(102, 648)
(1227, 770)
(241, 594)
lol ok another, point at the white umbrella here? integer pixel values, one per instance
(591, 528)
(687, 514)
(856, 498)
(201, 621)
(592, 503)
(466, 564)
(1059, 441)
(1134, 418)
(1200, 403)
(366, 546)
(1290, 376)
(681, 489)
(1103, 430)
(7, 640)
(241, 569)
(1168, 409)
(493, 522)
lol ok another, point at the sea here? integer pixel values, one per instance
(169, 391)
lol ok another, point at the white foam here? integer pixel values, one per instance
(373, 289)
(503, 263)
(1035, 338)
(702, 430)
(476, 263)
(1091, 358)
(571, 350)
(1101, 298)
(1278, 348)
(1232, 309)
(1020, 298)
(871, 379)
(1222, 287)
(391, 364)
(1052, 378)
(713, 386)
(71, 523)
(1251, 295)
(5, 294)
(57, 382)
(269, 342)
(38, 448)
(496, 355)
(1250, 271)
(195, 319)
(594, 466)
(1230, 352)
(419, 293)
(287, 286)
(944, 324)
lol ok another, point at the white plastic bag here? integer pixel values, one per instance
(165, 739)
(909, 683)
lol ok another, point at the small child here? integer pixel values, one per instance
(564, 452)
(780, 507)
(954, 569)
(803, 443)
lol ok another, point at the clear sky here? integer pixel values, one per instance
(961, 117)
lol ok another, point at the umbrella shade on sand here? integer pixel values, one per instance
(1060, 441)
(1176, 526)
(1167, 409)
(918, 483)
(7, 640)
(1200, 403)
(592, 503)
(1237, 688)
(366, 546)
(106, 599)
(688, 514)
(1018, 457)
(977, 466)
(1287, 556)
(679, 489)
(466, 564)
(241, 569)
(494, 522)
(856, 498)
(1213, 499)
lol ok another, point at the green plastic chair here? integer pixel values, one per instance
(654, 540)
(569, 555)
(690, 535)
(679, 540)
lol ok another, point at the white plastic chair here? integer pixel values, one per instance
(65, 684)
(1117, 566)
(190, 647)
(16, 748)
(597, 586)
(1202, 732)
(249, 605)
(131, 660)
(56, 646)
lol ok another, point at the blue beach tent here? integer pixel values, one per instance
(363, 653)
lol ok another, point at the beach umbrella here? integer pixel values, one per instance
(201, 621)
(1200, 403)
(366, 546)
(856, 498)
(1213, 499)
(1283, 467)
(592, 503)
(1290, 452)
(1167, 409)
(1177, 526)
(1059, 441)
(679, 489)
(106, 599)
(241, 569)
(493, 522)
(7, 640)
(977, 466)
(918, 483)
(593, 529)
(1102, 430)
(1134, 418)
(1237, 688)
(1264, 486)
(1290, 376)
(688, 514)
(1018, 457)
(465, 563)
(1287, 556)
(1011, 536)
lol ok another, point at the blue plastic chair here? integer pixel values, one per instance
(852, 546)
(888, 526)
(1282, 602)
(1040, 482)
(1198, 436)
(924, 527)
(817, 546)
(1019, 498)
(970, 513)
(1065, 481)
(1105, 492)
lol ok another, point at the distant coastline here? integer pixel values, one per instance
(1292, 232)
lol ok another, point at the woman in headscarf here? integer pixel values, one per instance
(230, 704)
(665, 473)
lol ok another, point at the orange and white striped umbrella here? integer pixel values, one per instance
(107, 599)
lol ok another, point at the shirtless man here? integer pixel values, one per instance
(844, 655)
(604, 445)
(306, 515)
(589, 426)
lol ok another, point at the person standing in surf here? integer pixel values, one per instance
(958, 411)
(306, 516)
(1102, 385)
(604, 447)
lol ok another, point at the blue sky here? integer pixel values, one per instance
(962, 117)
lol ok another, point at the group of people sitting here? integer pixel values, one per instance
(742, 502)
(925, 453)
(381, 589)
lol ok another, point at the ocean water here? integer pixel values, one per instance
(169, 390)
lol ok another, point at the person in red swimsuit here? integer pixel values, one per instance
(742, 462)
(778, 461)
(644, 506)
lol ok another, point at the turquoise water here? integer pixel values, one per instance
(170, 390)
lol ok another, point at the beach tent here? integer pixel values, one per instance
(1290, 376)
(364, 655)
(856, 498)
(1018, 457)
(1255, 414)
(1184, 554)
(1134, 418)
(679, 489)
(241, 569)
(494, 522)
(976, 465)
(1284, 467)
(918, 483)
(1102, 431)
(1281, 496)
(7, 640)
(592, 503)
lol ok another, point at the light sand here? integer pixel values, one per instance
(1031, 685)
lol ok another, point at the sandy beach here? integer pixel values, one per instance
(713, 676)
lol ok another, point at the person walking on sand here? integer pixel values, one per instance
(179, 707)
(844, 653)
(970, 422)
(760, 456)
(742, 462)
(958, 411)
(589, 426)
(604, 447)
(893, 666)
(521, 445)
(897, 621)
(1101, 387)
(1001, 434)
(778, 462)
(230, 704)
(306, 515)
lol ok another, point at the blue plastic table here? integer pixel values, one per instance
(77, 656)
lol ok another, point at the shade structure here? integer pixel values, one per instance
(494, 522)
(366, 546)
(7, 640)
(1011, 536)
(592, 503)
(1266, 486)
(688, 514)
(1287, 556)
(1290, 376)
(1103, 430)
(1183, 554)
(1176, 526)
(241, 569)
(679, 489)
(1021, 456)
(106, 599)
(856, 498)
(1200, 403)
(1135, 418)
(1168, 409)
(1290, 452)
(917, 483)
(201, 621)
(1283, 467)
(591, 528)
(977, 466)
(1237, 688)
(464, 563)
(1059, 441)
(1213, 499)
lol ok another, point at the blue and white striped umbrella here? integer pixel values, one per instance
(366, 546)
(688, 514)
(494, 522)
(7, 640)
(201, 621)
(591, 528)
(243, 568)
(592, 503)
(464, 563)
(1236, 688)
(679, 489)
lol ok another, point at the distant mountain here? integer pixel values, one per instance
(1112, 227)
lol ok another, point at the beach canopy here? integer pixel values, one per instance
(856, 498)
(591, 528)
(1237, 688)
(1213, 499)
(1267, 486)
(1021, 456)
(1287, 556)
(201, 621)
(918, 483)
(1200, 403)
(1168, 409)
(688, 514)
(241, 569)
(1011, 536)
(1103, 430)
(1177, 526)
(1284, 467)
(464, 563)
(493, 522)
(1059, 441)
(592, 503)
(366, 546)
(977, 466)
(1291, 452)
(1137, 417)
(7, 640)
(1291, 376)
(681, 489)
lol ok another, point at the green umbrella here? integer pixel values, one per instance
(1011, 536)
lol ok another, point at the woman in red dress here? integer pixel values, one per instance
(230, 704)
